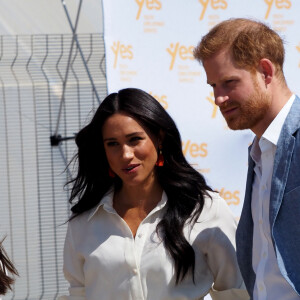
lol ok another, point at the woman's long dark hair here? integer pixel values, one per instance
(184, 186)
(6, 268)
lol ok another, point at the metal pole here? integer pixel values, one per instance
(68, 65)
(81, 54)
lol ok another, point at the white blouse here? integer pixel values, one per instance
(103, 261)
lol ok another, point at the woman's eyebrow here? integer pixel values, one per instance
(127, 135)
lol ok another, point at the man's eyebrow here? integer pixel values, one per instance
(223, 79)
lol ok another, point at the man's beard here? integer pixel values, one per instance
(251, 111)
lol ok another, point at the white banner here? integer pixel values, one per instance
(149, 45)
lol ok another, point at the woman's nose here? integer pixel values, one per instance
(127, 152)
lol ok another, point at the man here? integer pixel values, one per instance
(243, 60)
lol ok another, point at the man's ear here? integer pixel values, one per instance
(267, 69)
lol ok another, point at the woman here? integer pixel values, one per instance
(146, 225)
(6, 267)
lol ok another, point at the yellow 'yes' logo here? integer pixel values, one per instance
(278, 3)
(195, 150)
(298, 48)
(183, 52)
(161, 99)
(150, 4)
(230, 197)
(121, 50)
(215, 4)
(211, 100)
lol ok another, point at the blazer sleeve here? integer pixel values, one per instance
(73, 269)
(221, 256)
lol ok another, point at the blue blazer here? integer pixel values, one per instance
(284, 207)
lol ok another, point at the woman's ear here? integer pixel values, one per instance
(161, 137)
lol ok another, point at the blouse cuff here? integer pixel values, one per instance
(236, 294)
(76, 293)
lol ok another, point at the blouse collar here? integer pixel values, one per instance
(107, 203)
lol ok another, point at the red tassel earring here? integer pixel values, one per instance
(160, 160)
(111, 173)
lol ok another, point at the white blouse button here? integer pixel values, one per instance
(135, 271)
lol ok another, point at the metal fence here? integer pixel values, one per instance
(50, 86)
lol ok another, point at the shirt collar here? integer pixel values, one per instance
(255, 151)
(107, 203)
(273, 131)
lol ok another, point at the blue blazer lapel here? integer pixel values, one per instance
(244, 234)
(282, 161)
(246, 211)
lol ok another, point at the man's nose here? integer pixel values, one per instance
(220, 97)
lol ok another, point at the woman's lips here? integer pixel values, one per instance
(132, 168)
